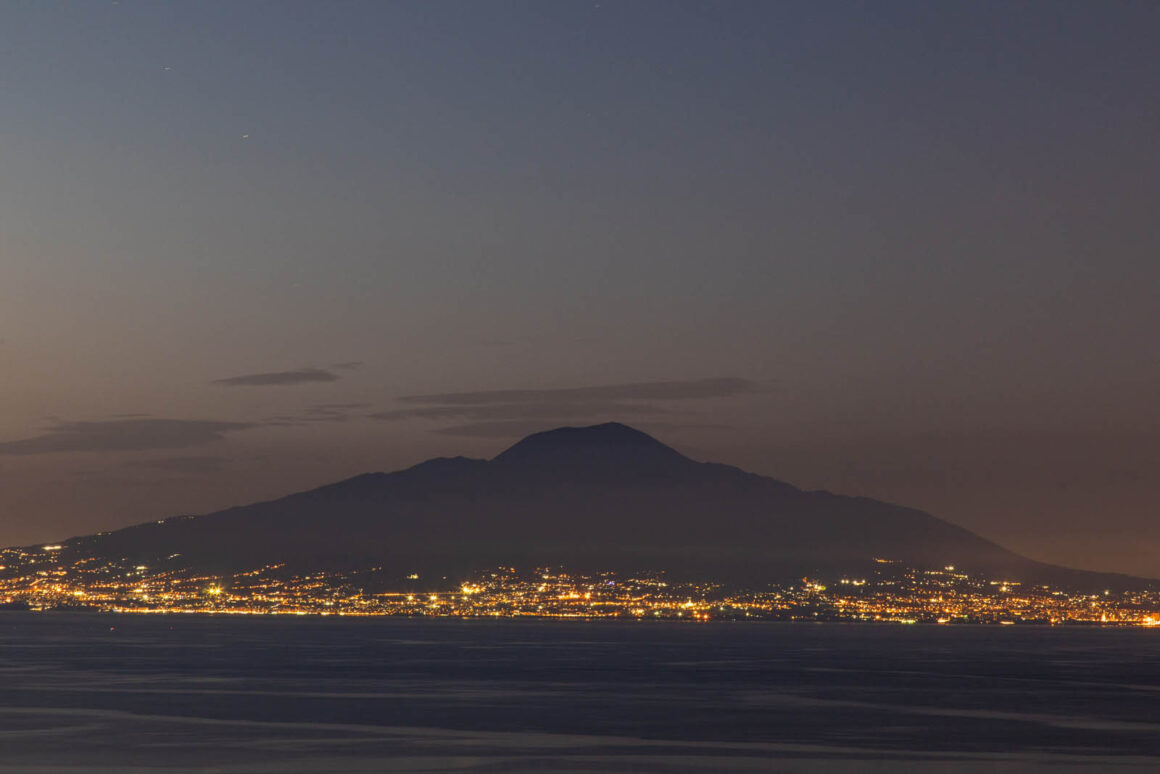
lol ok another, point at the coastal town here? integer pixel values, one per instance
(41, 579)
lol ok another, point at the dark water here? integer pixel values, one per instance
(90, 693)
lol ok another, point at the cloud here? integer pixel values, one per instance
(512, 429)
(279, 378)
(697, 389)
(322, 408)
(519, 428)
(320, 412)
(350, 365)
(183, 464)
(332, 412)
(282, 421)
(123, 435)
(513, 411)
(503, 413)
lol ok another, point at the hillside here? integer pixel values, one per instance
(606, 497)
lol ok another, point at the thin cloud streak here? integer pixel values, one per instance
(321, 412)
(123, 435)
(674, 390)
(516, 411)
(331, 412)
(279, 378)
(510, 429)
(188, 465)
(520, 428)
(508, 413)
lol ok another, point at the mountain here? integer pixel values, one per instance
(606, 497)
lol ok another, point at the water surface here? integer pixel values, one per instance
(97, 693)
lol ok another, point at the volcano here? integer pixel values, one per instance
(605, 497)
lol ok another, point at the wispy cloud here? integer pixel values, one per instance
(320, 412)
(504, 413)
(122, 435)
(279, 378)
(331, 412)
(675, 390)
(519, 428)
(523, 411)
(338, 406)
(188, 465)
(282, 420)
(511, 429)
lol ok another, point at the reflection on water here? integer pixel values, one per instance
(91, 693)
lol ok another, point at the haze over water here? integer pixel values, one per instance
(82, 694)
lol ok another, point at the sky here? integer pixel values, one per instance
(906, 250)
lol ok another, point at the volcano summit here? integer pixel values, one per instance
(606, 497)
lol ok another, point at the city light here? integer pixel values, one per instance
(891, 593)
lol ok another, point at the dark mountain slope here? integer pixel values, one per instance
(600, 498)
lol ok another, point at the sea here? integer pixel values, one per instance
(85, 693)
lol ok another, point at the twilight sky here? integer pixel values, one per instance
(904, 250)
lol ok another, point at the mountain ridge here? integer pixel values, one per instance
(603, 497)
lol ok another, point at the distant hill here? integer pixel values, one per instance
(606, 497)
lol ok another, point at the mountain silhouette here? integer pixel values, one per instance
(606, 497)
(608, 445)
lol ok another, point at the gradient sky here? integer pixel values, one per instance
(904, 250)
